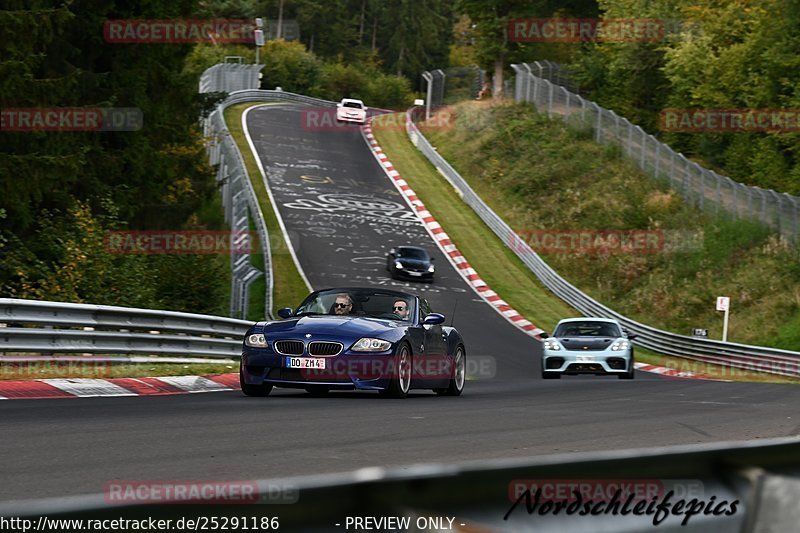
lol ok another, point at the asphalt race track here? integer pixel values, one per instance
(342, 214)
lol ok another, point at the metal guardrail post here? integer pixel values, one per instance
(429, 92)
(440, 96)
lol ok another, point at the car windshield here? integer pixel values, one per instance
(587, 329)
(412, 253)
(352, 104)
(369, 303)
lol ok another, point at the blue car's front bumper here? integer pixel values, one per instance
(345, 371)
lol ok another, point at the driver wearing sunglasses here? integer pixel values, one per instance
(343, 304)
(400, 307)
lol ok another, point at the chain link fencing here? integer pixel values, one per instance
(452, 85)
(699, 186)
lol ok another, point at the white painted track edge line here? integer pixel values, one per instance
(282, 225)
(439, 245)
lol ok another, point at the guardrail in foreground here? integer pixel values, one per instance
(761, 477)
(741, 356)
(118, 330)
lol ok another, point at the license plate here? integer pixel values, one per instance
(305, 362)
(585, 358)
(415, 273)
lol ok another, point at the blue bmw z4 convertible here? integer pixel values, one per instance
(355, 338)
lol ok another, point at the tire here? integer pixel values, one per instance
(459, 379)
(253, 390)
(400, 381)
(318, 391)
(630, 373)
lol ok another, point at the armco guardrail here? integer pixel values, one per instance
(760, 476)
(230, 77)
(741, 356)
(239, 197)
(112, 329)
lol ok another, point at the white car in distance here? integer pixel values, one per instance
(351, 110)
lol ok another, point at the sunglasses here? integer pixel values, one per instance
(399, 308)
(341, 306)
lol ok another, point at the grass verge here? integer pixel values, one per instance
(289, 289)
(552, 182)
(497, 265)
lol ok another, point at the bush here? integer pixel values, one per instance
(365, 82)
(204, 56)
(287, 64)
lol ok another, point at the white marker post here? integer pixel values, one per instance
(724, 304)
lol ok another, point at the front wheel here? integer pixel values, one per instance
(253, 390)
(400, 374)
(456, 385)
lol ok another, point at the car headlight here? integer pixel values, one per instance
(431, 269)
(368, 344)
(398, 264)
(256, 340)
(619, 346)
(552, 345)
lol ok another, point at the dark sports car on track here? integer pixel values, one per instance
(355, 338)
(410, 262)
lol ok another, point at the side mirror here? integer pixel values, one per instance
(433, 319)
(366, 108)
(544, 335)
(632, 336)
(286, 312)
